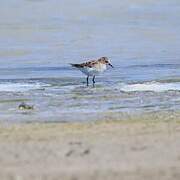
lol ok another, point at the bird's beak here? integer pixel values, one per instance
(111, 65)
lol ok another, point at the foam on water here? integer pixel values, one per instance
(151, 86)
(21, 87)
(140, 87)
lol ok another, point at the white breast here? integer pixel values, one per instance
(99, 68)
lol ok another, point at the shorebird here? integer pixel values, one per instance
(93, 68)
(24, 106)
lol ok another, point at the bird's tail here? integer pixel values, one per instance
(75, 65)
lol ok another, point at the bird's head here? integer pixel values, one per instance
(105, 60)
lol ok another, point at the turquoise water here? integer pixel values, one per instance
(38, 40)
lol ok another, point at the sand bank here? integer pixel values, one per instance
(133, 149)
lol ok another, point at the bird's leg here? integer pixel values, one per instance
(93, 80)
(87, 80)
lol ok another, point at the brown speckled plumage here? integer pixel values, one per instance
(91, 63)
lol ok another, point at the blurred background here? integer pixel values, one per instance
(54, 33)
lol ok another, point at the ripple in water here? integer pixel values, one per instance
(21, 87)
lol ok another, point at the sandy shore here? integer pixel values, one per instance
(130, 150)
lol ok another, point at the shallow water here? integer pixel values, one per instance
(38, 40)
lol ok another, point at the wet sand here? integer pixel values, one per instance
(135, 149)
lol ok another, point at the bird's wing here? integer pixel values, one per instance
(89, 64)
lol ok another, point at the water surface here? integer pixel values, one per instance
(38, 40)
